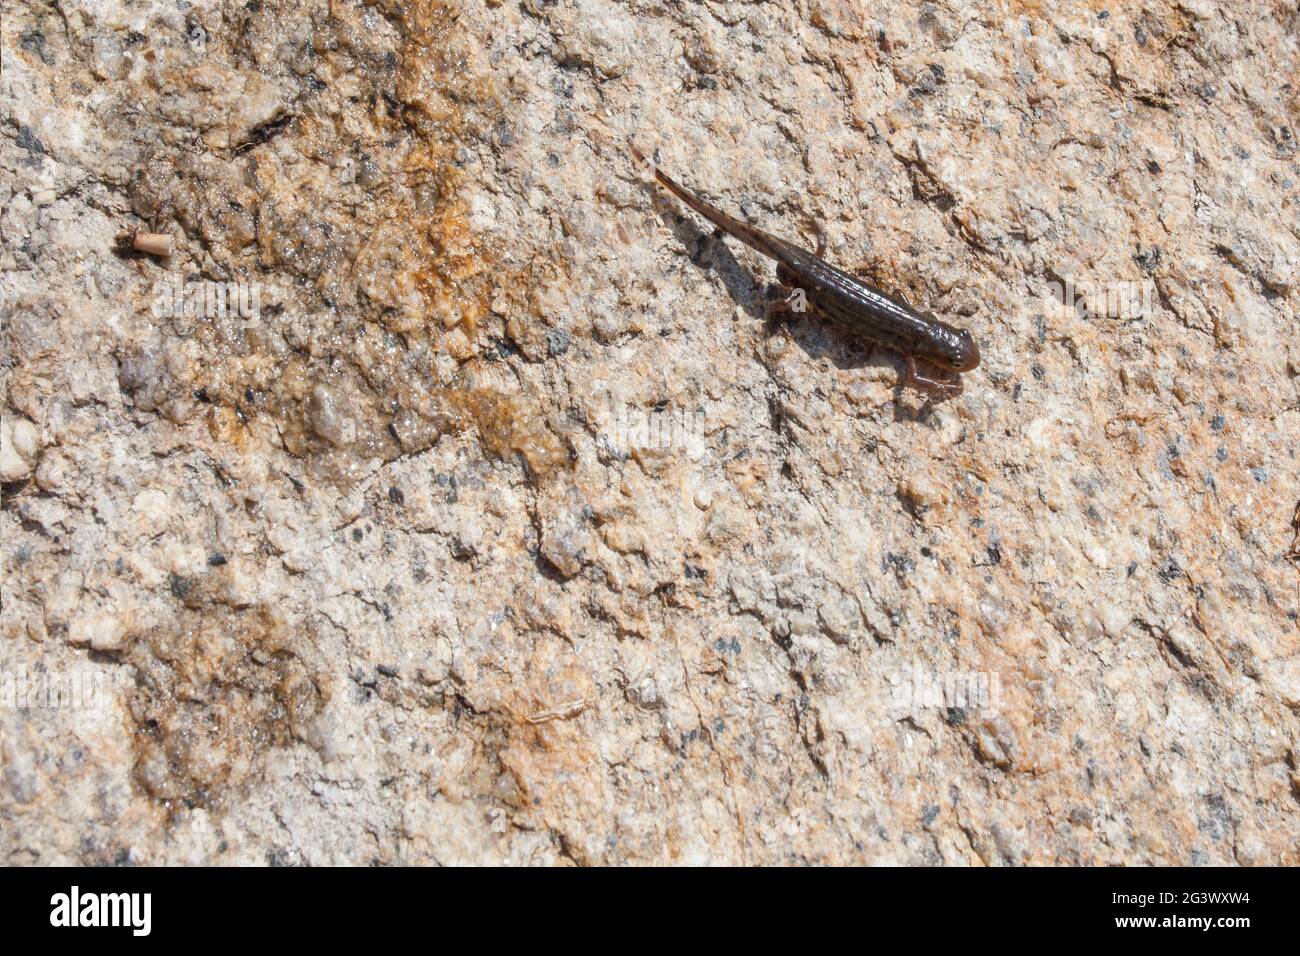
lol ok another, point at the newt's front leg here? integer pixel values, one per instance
(928, 383)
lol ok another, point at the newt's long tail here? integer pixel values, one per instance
(755, 238)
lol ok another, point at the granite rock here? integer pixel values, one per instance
(447, 496)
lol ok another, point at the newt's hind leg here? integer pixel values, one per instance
(928, 383)
(780, 304)
(794, 295)
(816, 229)
(784, 301)
(821, 239)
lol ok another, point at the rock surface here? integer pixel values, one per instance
(446, 497)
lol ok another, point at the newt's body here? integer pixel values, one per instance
(844, 299)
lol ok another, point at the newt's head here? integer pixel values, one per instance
(952, 349)
(967, 354)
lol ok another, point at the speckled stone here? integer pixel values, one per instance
(506, 528)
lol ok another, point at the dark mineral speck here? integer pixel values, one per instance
(1170, 571)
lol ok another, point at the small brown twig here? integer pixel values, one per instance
(563, 712)
(152, 243)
